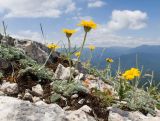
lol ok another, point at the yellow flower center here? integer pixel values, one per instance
(53, 46)
(78, 54)
(91, 47)
(88, 25)
(69, 32)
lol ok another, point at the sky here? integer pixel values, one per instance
(126, 23)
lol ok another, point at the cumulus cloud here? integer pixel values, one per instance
(36, 8)
(127, 19)
(102, 38)
(96, 3)
(28, 34)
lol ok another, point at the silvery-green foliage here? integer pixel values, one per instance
(67, 88)
(43, 73)
(140, 100)
(54, 97)
(11, 53)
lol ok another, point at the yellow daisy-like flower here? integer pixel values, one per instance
(131, 74)
(78, 54)
(88, 25)
(53, 46)
(91, 47)
(109, 60)
(69, 32)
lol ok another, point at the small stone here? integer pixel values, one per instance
(2, 93)
(19, 96)
(157, 112)
(123, 102)
(27, 96)
(40, 103)
(76, 72)
(9, 88)
(91, 77)
(74, 96)
(81, 101)
(37, 90)
(66, 108)
(36, 99)
(79, 77)
(62, 72)
(86, 109)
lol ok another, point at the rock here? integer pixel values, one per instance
(13, 109)
(157, 112)
(37, 90)
(76, 72)
(79, 77)
(2, 93)
(36, 99)
(62, 72)
(9, 88)
(40, 103)
(78, 115)
(81, 101)
(27, 96)
(34, 51)
(66, 108)
(116, 114)
(90, 77)
(100, 85)
(37, 51)
(86, 109)
(19, 96)
(74, 96)
(81, 68)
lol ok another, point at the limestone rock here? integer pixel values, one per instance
(116, 114)
(79, 115)
(36, 99)
(27, 96)
(9, 88)
(37, 90)
(13, 109)
(62, 72)
(74, 96)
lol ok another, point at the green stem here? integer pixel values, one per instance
(85, 36)
(69, 57)
(69, 45)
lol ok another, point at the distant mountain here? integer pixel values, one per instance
(148, 57)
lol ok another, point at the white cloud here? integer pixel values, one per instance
(70, 8)
(127, 19)
(28, 34)
(96, 3)
(36, 8)
(102, 38)
(79, 17)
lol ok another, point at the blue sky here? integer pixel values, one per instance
(120, 22)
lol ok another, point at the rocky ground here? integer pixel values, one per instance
(30, 94)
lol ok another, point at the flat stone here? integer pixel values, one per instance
(37, 90)
(9, 88)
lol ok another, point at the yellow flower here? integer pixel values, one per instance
(131, 74)
(69, 32)
(88, 25)
(91, 47)
(78, 54)
(53, 46)
(109, 60)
